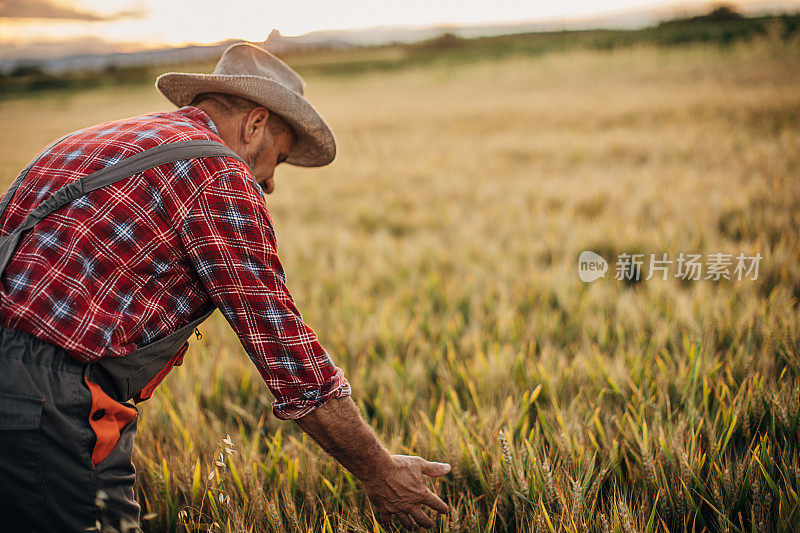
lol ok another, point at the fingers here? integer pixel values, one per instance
(436, 503)
(421, 518)
(403, 493)
(406, 521)
(430, 468)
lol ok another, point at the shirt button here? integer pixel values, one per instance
(97, 415)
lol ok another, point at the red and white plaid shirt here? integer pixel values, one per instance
(128, 263)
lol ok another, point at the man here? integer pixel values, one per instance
(114, 243)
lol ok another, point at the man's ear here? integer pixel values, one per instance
(255, 125)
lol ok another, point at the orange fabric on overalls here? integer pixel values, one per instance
(107, 418)
(147, 391)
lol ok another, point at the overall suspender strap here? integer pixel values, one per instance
(151, 158)
(12, 190)
(128, 375)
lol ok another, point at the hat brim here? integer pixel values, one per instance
(314, 146)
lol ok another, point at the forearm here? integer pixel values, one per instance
(338, 427)
(393, 483)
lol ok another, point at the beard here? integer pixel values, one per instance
(251, 161)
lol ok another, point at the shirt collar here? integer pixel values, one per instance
(198, 115)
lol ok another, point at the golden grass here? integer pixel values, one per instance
(436, 259)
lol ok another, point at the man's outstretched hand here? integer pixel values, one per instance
(401, 491)
(395, 484)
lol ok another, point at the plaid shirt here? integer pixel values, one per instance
(128, 263)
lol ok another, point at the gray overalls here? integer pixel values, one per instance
(67, 427)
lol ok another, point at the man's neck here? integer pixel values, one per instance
(221, 119)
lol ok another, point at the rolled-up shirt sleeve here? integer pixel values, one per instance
(230, 241)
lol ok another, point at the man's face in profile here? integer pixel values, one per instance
(276, 146)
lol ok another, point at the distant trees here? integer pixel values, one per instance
(720, 13)
(445, 40)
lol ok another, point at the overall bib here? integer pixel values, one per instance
(67, 427)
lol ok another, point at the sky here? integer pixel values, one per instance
(175, 22)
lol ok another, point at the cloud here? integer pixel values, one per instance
(43, 9)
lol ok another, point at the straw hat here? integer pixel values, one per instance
(253, 73)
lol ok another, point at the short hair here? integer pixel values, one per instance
(241, 106)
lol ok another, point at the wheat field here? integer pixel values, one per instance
(436, 259)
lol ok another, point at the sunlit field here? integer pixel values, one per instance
(437, 260)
